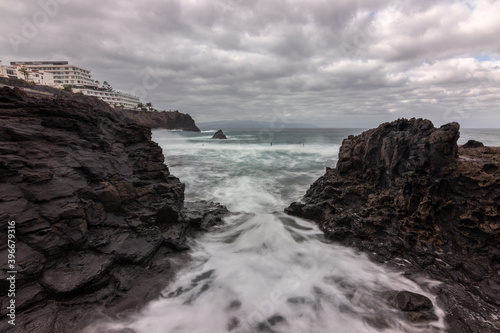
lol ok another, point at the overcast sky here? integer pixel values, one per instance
(328, 62)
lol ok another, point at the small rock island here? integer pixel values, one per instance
(219, 135)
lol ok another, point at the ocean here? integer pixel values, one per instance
(265, 271)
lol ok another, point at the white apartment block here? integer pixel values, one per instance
(113, 98)
(60, 74)
(40, 77)
(3, 70)
(33, 75)
(64, 73)
(8, 71)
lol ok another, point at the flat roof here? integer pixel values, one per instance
(39, 63)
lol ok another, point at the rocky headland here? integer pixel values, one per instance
(100, 223)
(173, 120)
(163, 119)
(407, 195)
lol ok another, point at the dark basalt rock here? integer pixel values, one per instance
(409, 196)
(96, 210)
(414, 307)
(164, 119)
(219, 135)
(408, 301)
(473, 144)
(74, 273)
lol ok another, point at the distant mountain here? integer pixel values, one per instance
(252, 124)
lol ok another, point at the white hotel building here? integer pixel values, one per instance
(113, 98)
(60, 74)
(64, 74)
(39, 77)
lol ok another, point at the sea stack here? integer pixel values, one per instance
(219, 135)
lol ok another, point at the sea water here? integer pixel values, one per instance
(265, 271)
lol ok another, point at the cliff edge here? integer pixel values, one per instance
(100, 223)
(164, 119)
(409, 196)
(173, 120)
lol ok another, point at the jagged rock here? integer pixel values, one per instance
(408, 301)
(414, 307)
(219, 135)
(204, 214)
(394, 149)
(405, 190)
(91, 197)
(197, 216)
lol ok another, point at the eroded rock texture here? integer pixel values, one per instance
(99, 219)
(408, 195)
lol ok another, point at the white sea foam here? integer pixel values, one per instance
(265, 271)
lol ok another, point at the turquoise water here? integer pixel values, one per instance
(264, 271)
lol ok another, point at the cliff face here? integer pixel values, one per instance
(98, 217)
(406, 194)
(164, 119)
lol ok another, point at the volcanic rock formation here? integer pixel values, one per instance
(99, 219)
(408, 195)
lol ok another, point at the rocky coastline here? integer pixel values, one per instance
(408, 196)
(101, 225)
(172, 120)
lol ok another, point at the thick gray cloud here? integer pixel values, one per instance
(331, 63)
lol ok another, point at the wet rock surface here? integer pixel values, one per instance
(219, 135)
(414, 307)
(100, 222)
(408, 301)
(407, 195)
